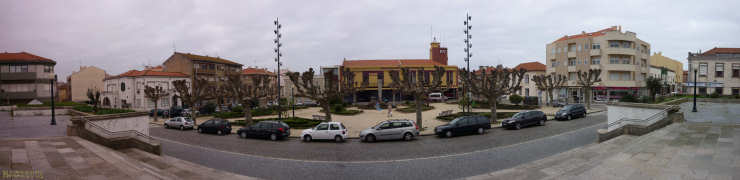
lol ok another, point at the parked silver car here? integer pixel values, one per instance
(391, 129)
(181, 123)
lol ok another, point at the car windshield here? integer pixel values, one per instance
(378, 125)
(456, 120)
(518, 115)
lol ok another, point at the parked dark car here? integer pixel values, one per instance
(160, 112)
(464, 125)
(216, 125)
(175, 111)
(571, 111)
(266, 129)
(525, 118)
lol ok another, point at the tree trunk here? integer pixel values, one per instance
(417, 101)
(156, 110)
(587, 96)
(492, 104)
(327, 111)
(549, 94)
(193, 115)
(247, 113)
(354, 97)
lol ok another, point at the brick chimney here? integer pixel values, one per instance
(437, 53)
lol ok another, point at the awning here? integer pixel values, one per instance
(704, 84)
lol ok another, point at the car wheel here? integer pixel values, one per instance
(200, 130)
(307, 138)
(166, 126)
(448, 134)
(338, 139)
(219, 132)
(370, 138)
(273, 137)
(518, 126)
(243, 135)
(481, 131)
(408, 137)
(182, 128)
(542, 122)
(569, 117)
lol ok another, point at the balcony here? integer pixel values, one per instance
(18, 76)
(623, 51)
(18, 95)
(595, 52)
(571, 54)
(571, 68)
(620, 67)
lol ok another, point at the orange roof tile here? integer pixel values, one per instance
(717, 50)
(257, 71)
(593, 34)
(23, 57)
(532, 66)
(389, 62)
(208, 58)
(137, 73)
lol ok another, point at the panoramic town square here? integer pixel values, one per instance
(369, 90)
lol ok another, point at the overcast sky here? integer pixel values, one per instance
(121, 35)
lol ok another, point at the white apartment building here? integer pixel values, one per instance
(667, 78)
(622, 57)
(127, 90)
(718, 71)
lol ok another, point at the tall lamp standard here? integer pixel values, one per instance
(468, 45)
(277, 59)
(694, 109)
(53, 117)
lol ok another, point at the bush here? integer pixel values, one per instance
(714, 95)
(515, 99)
(293, 122)
(101, 111)
(237, 109)
(531, 100)
(412, 109)
(484, 104)
(499, 115)
(628, 98)
(645, 99)
(208, 108)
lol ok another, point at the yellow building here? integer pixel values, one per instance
(377, 73)
(658, 60)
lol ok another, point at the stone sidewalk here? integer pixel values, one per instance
(678, 151)
(75, 158)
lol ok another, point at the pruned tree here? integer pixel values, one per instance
(653, 85)
(192, 95)
(494, 84)
(258, 89)
(154, 94)
(587, 79)
(549, 83)
(418, 84)
(307, 87)
(93, 97)
(349, 85)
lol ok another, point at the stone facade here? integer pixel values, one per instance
(24, 77)
(718, 71)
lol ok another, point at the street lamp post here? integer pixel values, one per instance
(468, 45)
(694, 109)
(53, 117)
(277, 59)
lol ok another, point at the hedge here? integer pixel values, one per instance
(499, 115)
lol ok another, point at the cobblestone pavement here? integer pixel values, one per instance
(31, 126)
(75, 158)
(354, 150)
(678, 151)
(711, 112)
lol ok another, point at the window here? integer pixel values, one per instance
(526, 91)
(735, 70)
(718, 90)
(703, 90)
(620, 75)
(719, 70)
(572, 76)
(571, 47)
(554, 63)
(526, 78)
(613, 44)
(123, 87)
(595, 59)
(48, 68)
(702, 69)
(644, 62)
(735, 91)
(595, 46)
(322, 127)
(449, 78)
(571, 61)
(334, 127)
(18, 68)
(579, 48)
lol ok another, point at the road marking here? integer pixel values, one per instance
(386, 161)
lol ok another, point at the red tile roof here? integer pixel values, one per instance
(593, 34)
(389, 62)
(137, 73)
(23, 57)
(717, 50)
(258, 71)
(208, 59)
(532, 66)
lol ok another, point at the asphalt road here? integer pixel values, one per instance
(427, 157)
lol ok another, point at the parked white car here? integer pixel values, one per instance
(326, 131)
(437, 97)
(181, 123)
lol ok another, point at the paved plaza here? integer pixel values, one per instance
(31, 126)
(712, 112)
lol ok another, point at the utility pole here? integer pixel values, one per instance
(468, 45)
(277, 59)
(53, 117)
